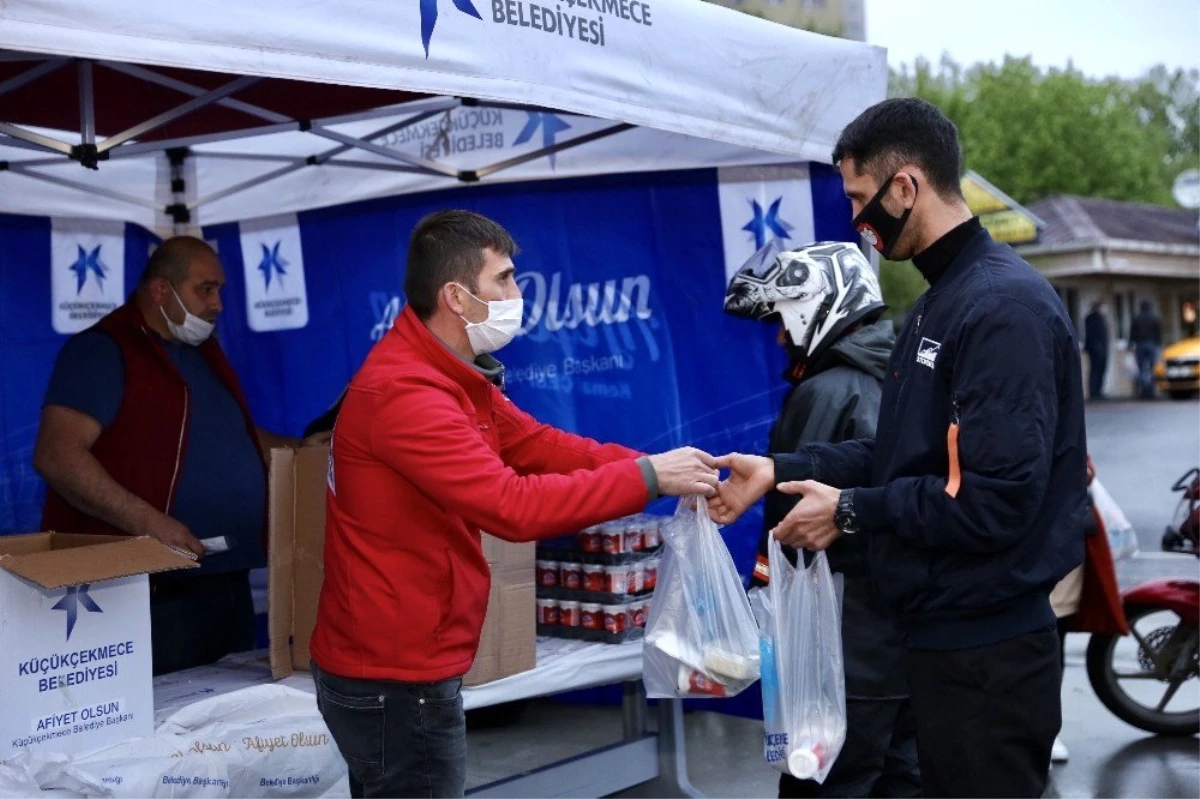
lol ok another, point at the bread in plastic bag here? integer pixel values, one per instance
(701, 638)
(803, 670)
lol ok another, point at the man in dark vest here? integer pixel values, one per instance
(145, 431)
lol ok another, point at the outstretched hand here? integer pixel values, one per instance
(685, 471)
(750, 478)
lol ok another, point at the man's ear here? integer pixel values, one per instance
(909, 181)
(159, 290)
(452, 297)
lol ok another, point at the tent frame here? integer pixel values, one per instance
(90, 153)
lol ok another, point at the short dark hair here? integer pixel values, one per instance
(447, 247)
(904, 130)
(174, 257)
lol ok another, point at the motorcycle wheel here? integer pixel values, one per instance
(1117, 665)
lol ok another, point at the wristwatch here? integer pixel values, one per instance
(844, 517)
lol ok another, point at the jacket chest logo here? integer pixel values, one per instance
(927, 352)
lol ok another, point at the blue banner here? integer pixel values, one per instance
(30, 344)
(624, 337)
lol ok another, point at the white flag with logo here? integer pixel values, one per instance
(276, 295)
(87, 272)
(762, 203)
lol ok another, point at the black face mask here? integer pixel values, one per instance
(879, 227)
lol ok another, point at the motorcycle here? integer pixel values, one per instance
(1139, 678)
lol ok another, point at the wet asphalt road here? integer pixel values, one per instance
(1139, 450)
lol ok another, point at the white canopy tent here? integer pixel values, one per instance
(199, 113)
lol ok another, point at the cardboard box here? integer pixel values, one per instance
(75, 655)
(296, 487)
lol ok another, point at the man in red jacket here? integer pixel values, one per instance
(428, 452)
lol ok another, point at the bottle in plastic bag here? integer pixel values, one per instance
(701, 639)
(803, 678)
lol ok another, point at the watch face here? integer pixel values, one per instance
(846, 522)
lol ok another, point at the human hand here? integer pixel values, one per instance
(685, 471)
(810, 524)
(750, 478)
(174, 534)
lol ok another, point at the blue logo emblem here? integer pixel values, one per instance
(88, 262)
(272, 264)
(768, 223)
(384, 308)
(76, 595)
(429, 15)
(551, 126)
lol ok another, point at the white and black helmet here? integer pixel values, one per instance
(817, 291)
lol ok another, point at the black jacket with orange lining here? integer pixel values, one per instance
(972, 496)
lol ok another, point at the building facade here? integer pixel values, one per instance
(1094, 250)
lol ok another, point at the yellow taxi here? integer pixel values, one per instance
(1178, 372)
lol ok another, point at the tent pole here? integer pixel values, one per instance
(129, 150)
(557, 148)
(248, 184)
(43, 142)
(324, 157)
(87, 104)
(178, 211)
(32, 74)
(313, 160)
(420, 106)
(433, 167)
(150, 76)
(413, 170)
(166, 117)
(9, 141)
(17, 169)
(289, 159)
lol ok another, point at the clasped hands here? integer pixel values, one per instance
(809, 525)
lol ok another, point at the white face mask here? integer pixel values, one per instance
(502, 323)
(194, 330)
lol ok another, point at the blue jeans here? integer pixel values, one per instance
(1147, 356)
(398, 739)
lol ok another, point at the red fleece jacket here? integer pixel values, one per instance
(427, 452)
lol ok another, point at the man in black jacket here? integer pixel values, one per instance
(1145, 334)
(1095, 343)
(826, 300)
(972, 495)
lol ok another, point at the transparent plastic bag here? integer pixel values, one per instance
(1122, 540)
(701, 639)
(803, 673)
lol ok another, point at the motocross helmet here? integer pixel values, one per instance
(817, 291)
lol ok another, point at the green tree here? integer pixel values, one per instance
(901, 285)
(1036, 133)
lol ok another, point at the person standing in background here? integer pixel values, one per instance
(1095, 344)
(827, 302)
(1145, 336)
(145, 431)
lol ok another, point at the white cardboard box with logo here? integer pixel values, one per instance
(75, 669)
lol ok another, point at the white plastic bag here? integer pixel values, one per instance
(1122, 539)
(263, 741)
(701, 639)
(803, 673)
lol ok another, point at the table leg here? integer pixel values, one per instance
(672, 751)
(633, 709)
